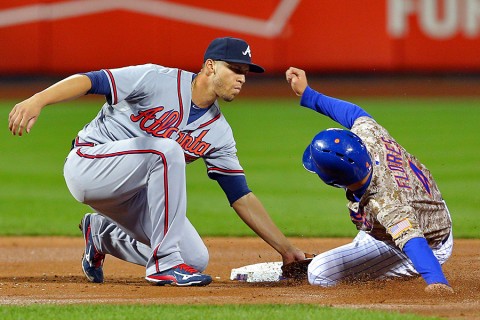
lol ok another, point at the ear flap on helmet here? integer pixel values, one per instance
(308, 162)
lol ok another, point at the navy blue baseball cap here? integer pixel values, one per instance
(231, 50)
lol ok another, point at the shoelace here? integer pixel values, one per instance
(186, 267)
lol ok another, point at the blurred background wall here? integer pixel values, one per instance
(341, 37)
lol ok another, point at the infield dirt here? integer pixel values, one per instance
(47, 270)
(43, 270)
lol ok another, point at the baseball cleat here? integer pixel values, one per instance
(180, 275)
(92, 260)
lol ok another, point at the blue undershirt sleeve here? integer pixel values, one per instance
(234, 187)
(100, 83)
(421, 255)
(343, 112)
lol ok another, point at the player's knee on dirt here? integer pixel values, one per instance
(318, 275)
(193, 250)
(197, 259)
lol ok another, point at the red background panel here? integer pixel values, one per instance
(318, 35)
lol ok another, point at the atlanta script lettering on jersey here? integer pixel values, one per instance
(163, 127)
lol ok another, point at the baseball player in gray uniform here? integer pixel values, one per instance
(128, 163)
(405, 226)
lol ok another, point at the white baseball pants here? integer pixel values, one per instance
(366, 259)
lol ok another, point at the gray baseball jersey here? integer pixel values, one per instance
(154, 101)
(129, 165)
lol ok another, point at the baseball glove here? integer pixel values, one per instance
(297, 270)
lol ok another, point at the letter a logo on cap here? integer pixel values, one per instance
(247, 52)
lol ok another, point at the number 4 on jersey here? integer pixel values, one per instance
(423, 179)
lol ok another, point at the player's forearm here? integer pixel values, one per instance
(424, 261)
(343, 112)
(67, 89)
(24, 114)
(252, 212)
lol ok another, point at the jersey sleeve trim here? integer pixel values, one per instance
(99, 83)
(234, 187)
(113, 86)
(214, 170)
(179, 93)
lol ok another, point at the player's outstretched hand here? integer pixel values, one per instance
(297, 79)
(294, 254)
(23, 116)
(297, 270)
(439, 289)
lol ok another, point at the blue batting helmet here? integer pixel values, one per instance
(339, 157)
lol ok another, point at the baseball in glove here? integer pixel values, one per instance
(297, 270)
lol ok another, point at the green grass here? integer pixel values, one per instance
(166, 312)
(271, 136)
(35, 201)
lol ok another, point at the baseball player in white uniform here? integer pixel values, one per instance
(405, 226)
(128, 163)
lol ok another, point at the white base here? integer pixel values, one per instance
(260, 272)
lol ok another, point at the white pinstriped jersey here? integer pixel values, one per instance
(402, 200)
(154, 101)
